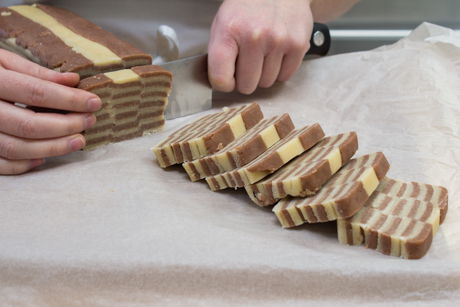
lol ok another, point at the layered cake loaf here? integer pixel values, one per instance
(63, 41)
(133, 103)
(243, 149)
(340, 197)
(399, 219)
(207, 135)
(271, 160)
(304, 175)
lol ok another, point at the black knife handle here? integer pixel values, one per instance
(320, 40)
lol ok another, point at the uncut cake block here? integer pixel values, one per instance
(270, 160)
(133, 103)
(61, 40)
(207, 135)
(242, 150)
(399, 219)
(304, 175)
(340, 197)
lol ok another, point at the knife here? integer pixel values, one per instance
(191, 92)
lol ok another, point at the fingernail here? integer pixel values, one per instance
(90, 121)
(36, 163)
(76, 143)
(94, 104)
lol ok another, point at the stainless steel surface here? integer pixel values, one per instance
(373, 23)
(190, 92)
(318, 38)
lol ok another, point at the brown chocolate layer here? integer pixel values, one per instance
(399, 219)
(53, 53)
(95, 33)
(312, 169)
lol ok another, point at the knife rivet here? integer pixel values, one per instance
(318, 38)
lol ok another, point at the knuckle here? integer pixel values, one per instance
(37, 94)
(55, 149)
(27, 128)
(9, 149)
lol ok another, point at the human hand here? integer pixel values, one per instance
(257, 42)
(26, 137)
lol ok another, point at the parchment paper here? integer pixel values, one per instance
(111, 228)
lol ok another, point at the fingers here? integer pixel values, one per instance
(13, 148)
(267, 38)
(20, 122)
(292, 61)
(14, 62)
(15, 167)
(18, 156)
(17, 87)
(222, 53)
(249, 65)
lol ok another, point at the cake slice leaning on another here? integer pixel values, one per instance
(242, 150)
(340, 197)
(207, 135)
(304, 175)
(292, 145)
(133, 103)
(399, 219)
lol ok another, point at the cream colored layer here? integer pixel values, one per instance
(167, 151)
(152, 119)
(112, 106)
(98, 54)
(398, 241)
(293, 186)
(123, 76)
(334, 190)
(286, 152)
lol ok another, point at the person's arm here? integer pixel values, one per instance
(257, 42)
(326, 10)
(26, 137)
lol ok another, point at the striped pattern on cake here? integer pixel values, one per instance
(207, 135)
(271, 160)
(340, 197)
(304, 175)
(243, 149)
(133, 104)
(63, 41)
(399, 219)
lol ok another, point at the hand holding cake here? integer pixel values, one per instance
(26, 137)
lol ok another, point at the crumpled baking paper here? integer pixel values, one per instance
(111, 228)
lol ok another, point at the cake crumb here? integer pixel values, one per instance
(6, 13)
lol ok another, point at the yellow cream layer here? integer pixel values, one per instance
(98, 54)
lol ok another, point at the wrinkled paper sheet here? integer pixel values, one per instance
(111, 228)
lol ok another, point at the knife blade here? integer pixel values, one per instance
(191, 91)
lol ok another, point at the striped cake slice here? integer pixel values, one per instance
(133, 103)
(63, 41)
(399, 219)
(243, 149)
(340, 197)
(207, 135)
(304, 175)
(271, 160)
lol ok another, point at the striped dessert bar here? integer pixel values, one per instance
(207, 135)
(340, 197)
(63, 41)
(399, 219)
(133, 103)
(268, 162)
(304, 175)
(243, 149)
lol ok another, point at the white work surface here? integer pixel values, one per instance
(111, 228)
